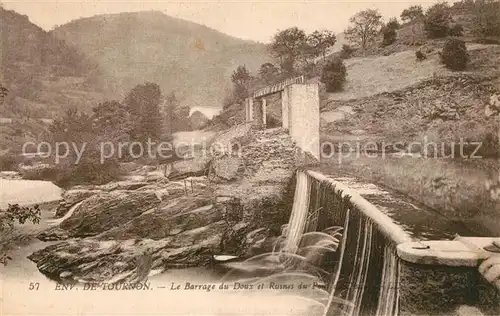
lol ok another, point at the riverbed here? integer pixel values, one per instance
(25, 291)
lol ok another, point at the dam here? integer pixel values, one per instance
(380, 254)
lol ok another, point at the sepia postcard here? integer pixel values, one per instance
(242, 158)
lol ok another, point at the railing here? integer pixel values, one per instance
(278, 87)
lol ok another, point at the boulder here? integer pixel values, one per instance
(122, 185)
(92, 260)
(225, 168)
(172, 218)
(192, 167)
(104, 211)
(198, 120)
(71, 197)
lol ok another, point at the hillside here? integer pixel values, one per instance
(390, 97)
(42, 73)
(193, 60)
(412, 100)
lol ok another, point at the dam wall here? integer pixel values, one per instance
(383, 267)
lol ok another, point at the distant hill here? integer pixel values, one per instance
(42, 73)
(193, 60)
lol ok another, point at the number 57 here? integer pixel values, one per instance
(34, 286)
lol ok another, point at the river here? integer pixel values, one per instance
(25, 291)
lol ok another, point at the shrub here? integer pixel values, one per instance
(486, 21)
(346, 51)
(9, 162)
(389, 36)
(89, 170)
(9, 217)
(456, 30)
(454, 54)
(420, 56)
(334, 75)
(393, 24)
(437, 20)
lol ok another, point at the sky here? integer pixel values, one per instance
(254, 20)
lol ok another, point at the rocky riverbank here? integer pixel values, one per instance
(237, 209)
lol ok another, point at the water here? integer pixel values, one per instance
(24, 290)
(25, 192)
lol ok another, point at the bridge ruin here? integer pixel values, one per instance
(298, 106)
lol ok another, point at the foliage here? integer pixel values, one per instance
(487, 18)
(268, 72)
(393, 24)
(287, 46)
(420, 56)
(364, 28)
(13, 214)
(334, 75)
(412, 13)
(9, 162)
(320, 42)
(73, 126)
(437, 20)
(241, 79)
(456, 30)
(454, 54)
(110, 118)
(143, 106)
(346, 51)
(389, 36)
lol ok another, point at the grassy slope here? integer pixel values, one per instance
(396, 98)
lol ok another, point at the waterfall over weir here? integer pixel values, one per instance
(364, 269)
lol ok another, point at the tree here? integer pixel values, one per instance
(143, 106)
(13, 214)
(346, 51)
(321, 41)
(486, 20)
(73, 126)
(334, 75)
(364, 28)
(389, 36)
(241, 79)
(454, 54)
(110, 118)
(437, 20)
(287, 46)
(171, 103)
(456, 30)
(412, 13)
(268, 72)
(393, 24)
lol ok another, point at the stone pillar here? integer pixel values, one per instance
(264, 112)
(301, 101)
(249, 109)
(284, 108)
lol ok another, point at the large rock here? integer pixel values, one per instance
(92, 260)
(71, 197)
(198, 120)
(104, 211)
(194, 166)
(172, 218)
